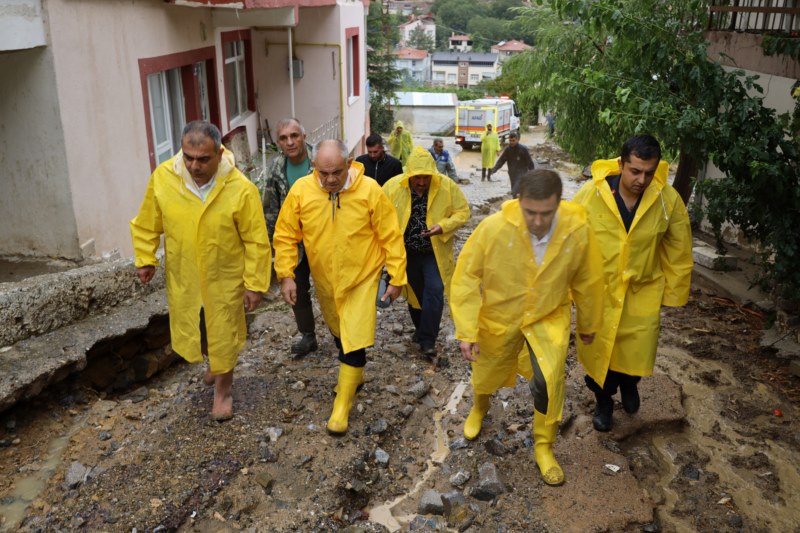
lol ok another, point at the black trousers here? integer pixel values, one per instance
(614, 380)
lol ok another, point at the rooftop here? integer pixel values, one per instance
(410, 53)
(511, 46)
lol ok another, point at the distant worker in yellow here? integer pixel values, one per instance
(430, 208)
(217, 253)
(400, 142)
(350, 232)
(490, 145)
(513, 288)
(644, 234)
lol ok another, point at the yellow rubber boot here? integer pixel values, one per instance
(543, 438)
(480, 406)
(350, 377)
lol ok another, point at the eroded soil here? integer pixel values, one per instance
(76, 459)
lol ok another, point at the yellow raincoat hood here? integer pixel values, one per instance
(447, 206)
(644, 268)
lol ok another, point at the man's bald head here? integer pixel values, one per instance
(331, 164)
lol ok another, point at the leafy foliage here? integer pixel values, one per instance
(419, 39)
(384, 78)
(613, 68)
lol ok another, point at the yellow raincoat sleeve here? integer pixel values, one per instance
(288, 235)
(146, 229)
(587, 286)
(460, 211)
(465, 292)
(676, 256)
(257, 252)
(387, 229)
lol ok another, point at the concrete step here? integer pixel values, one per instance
(30, 365)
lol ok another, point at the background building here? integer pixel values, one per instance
(463, 69)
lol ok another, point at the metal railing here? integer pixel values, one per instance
(327, 130)
(755, 16)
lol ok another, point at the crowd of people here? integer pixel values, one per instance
(616, 253)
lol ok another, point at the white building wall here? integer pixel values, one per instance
(321, 95)
(36, 204)
(105, 136)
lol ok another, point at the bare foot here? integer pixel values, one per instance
(223, 398)
(209, 378)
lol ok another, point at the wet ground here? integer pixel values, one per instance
(716, 446)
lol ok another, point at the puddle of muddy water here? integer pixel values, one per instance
(27, 489)
(721, 438)
(382, 514)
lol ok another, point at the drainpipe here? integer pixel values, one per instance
(291, 75)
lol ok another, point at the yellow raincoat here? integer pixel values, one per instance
(214, 251)
(490, 145)
(500, 298)
(447, 207)
(401, 145)
(645, 268)
(348, 238)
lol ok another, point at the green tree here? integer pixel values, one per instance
(454, 16)
(612, 68)
(384, 78)
(486, 31)
(418, 38)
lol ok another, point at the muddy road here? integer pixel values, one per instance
(715, 448)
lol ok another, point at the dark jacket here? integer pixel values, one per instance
(518, 159)
(381, 171)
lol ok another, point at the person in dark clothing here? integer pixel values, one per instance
(518, 158)
(379, 165)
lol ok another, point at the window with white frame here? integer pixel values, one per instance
(167, 117)
(235, 79)
(451, 78)
(473, 78)
(353, 62)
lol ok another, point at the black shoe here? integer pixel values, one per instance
(602, 413)
(630, 397)
(428, 350)
(306, 345)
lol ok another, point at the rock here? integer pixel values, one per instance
(381, 457)
(377, 427)
(76, 474)
(490, 486)
(356, 486)
(274, 433)
(419, 389)
(396, 327)
(138, 395)
(459, 478)
(396, 348)
(266, 481)
(298, 385)
(650, 528)
(427, 523)
(391, 389)
(735, 520)
(495, 447)
(431, 503)
(104, 435)
(407, 410)
(459, 444)
(690, 472)
(455, 508)
(266, 454)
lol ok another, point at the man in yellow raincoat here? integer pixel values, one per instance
(644, 233)
(430, 207)
(490, 145)
(217, 253)
(400, 142)
(513, 287)
(350, 232)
